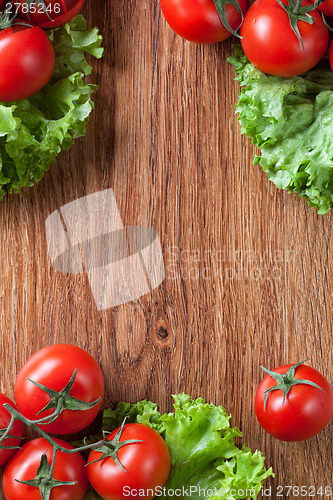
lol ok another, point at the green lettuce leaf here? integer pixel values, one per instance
(290, 120)
(33, 131)
(202, 449)
(144, 412)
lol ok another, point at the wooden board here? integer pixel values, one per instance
(248, 268)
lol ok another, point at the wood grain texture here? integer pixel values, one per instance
(248, 268)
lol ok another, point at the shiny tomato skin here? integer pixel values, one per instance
(147, 465)
(17, 430)
(305, 412)
(24, 464)
(271, 45)
(27, 62)
(60, 12)
(198, 20)
(330, 55)
(53, 367)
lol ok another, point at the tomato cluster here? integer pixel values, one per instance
(282, 38)
(26, 52)
(60, 390)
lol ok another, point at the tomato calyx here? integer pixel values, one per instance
(286, 381)
(110, 448)
(221, 10)
(296, 12)
(7, 21)
(44, 480)
(62, 400)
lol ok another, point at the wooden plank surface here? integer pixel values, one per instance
(248, 268)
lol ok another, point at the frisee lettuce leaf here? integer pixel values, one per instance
(33, 131)
(202, 449)
(290, 120)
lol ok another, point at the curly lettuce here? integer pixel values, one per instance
(290, 120)
(33, 131)
(204, 455)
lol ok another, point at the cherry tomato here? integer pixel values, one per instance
(306, 409)
(24, 466)
(330, 55)
(198, 20)
(17, 430)
(53, 366)
(27, 62)
(272, 46)
(147, 465)
(58, 12)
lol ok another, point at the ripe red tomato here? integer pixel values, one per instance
(25, 463)
(53, 367)
(17, 430)
(326, 7)
(330, 55)
(305, 411)
(58, 13)
(27, 62)
(147, 465)
(271, 45)
(198, 20)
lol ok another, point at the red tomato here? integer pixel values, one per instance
(58, 13)
(53, 367)
(305, 411)
(326, 7)
(271, 45)
(17, 430)
(24, 465)
(198, 20)
(27, 62)
(330, 55)
(147, 465)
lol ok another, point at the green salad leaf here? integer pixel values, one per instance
(202, 449)
(33, 131)
(290, 120)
